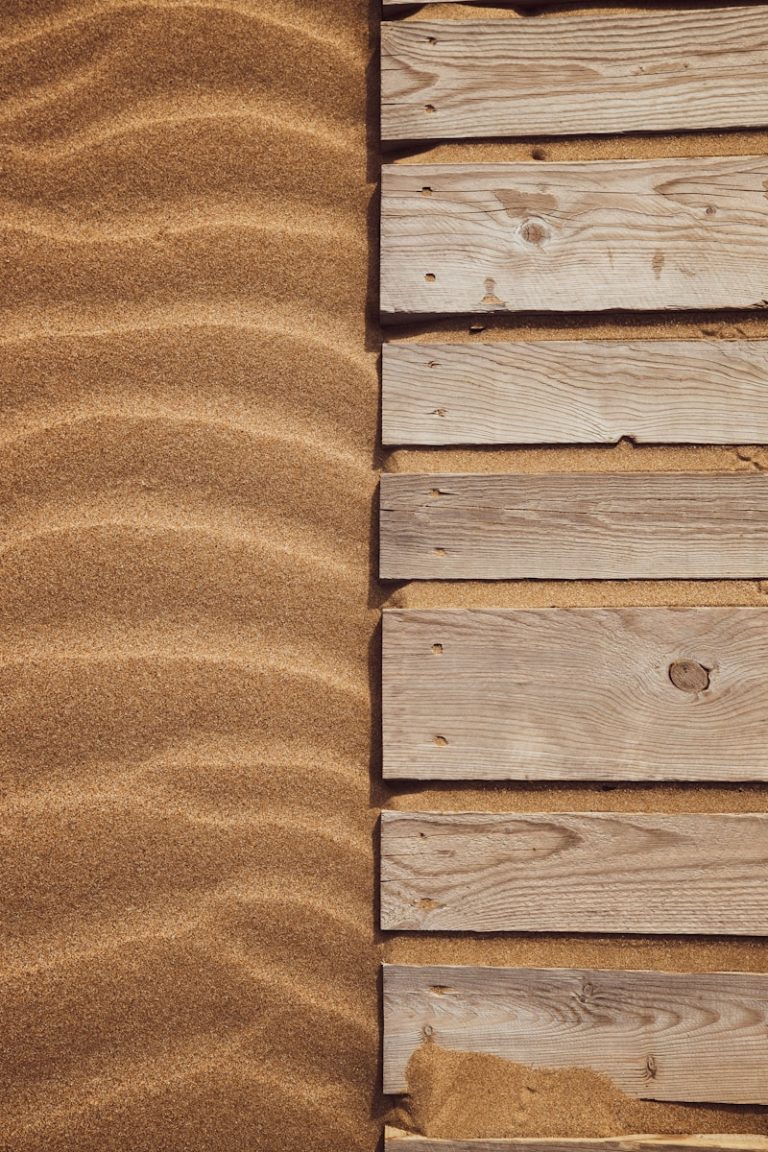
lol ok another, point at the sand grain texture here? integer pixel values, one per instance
(188, 420)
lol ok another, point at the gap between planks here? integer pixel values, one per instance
(590, 74)
(588, 526)
(605, 235)
(686, 1037)
(576, 392)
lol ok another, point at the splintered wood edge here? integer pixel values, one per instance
(395, 1137)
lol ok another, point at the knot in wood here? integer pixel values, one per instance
(534, 231)
(689, 676)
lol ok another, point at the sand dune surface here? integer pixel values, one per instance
(188, 424)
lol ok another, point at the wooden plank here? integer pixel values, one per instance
(576, 237)
(595, 74)
(576, 694)
(693, 1037)
(397, 1141)
(574, 527)
(574, 872)
(576, 392)
(404, 4)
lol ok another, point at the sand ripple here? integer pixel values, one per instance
(185, 496)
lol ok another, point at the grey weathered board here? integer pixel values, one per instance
(661, 71)
(576, 391)
(694, 1037)
(573, 527)
(576, 694)
(606, 872)
(575, 237)
(396, 1140)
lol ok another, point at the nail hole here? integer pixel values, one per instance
(437, 649)
(431, 39)
(430, 277)
(440, 741)
(426, 190)
(439, 551)
(430, 108)
(439, 412)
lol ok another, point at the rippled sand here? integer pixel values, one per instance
(188, 421)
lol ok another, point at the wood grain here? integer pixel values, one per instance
(662, 71)
(575, 694)
(692, 1037)
(576, 391)
(397, 1141)
(575, 872)
(574, 527)
(576, 237)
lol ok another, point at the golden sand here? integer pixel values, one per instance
(188, 608)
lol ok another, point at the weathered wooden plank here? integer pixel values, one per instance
(576, 694)
(693, 1037)
(398, 1141)
(576, 391)
(574, 527)
(660, 71)
(512, 3)
(609, 872)
(577, 237)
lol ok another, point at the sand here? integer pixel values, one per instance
(189, 399)
(188, 621)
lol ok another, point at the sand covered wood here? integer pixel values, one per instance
(571, 527)
(576, 391)
(396, 1140)
(580, 693)
(607, 73)
(658, 1035)
(574, 872)
(577, 237)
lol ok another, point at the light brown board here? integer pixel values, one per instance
(576, 694)
(403, 4)
(576, 237)
(398, 1141)
(694, 1037)
(576, 391)
(661, 71)
(574, 527)
(575, 872)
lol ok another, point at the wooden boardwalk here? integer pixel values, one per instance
(613, 695)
